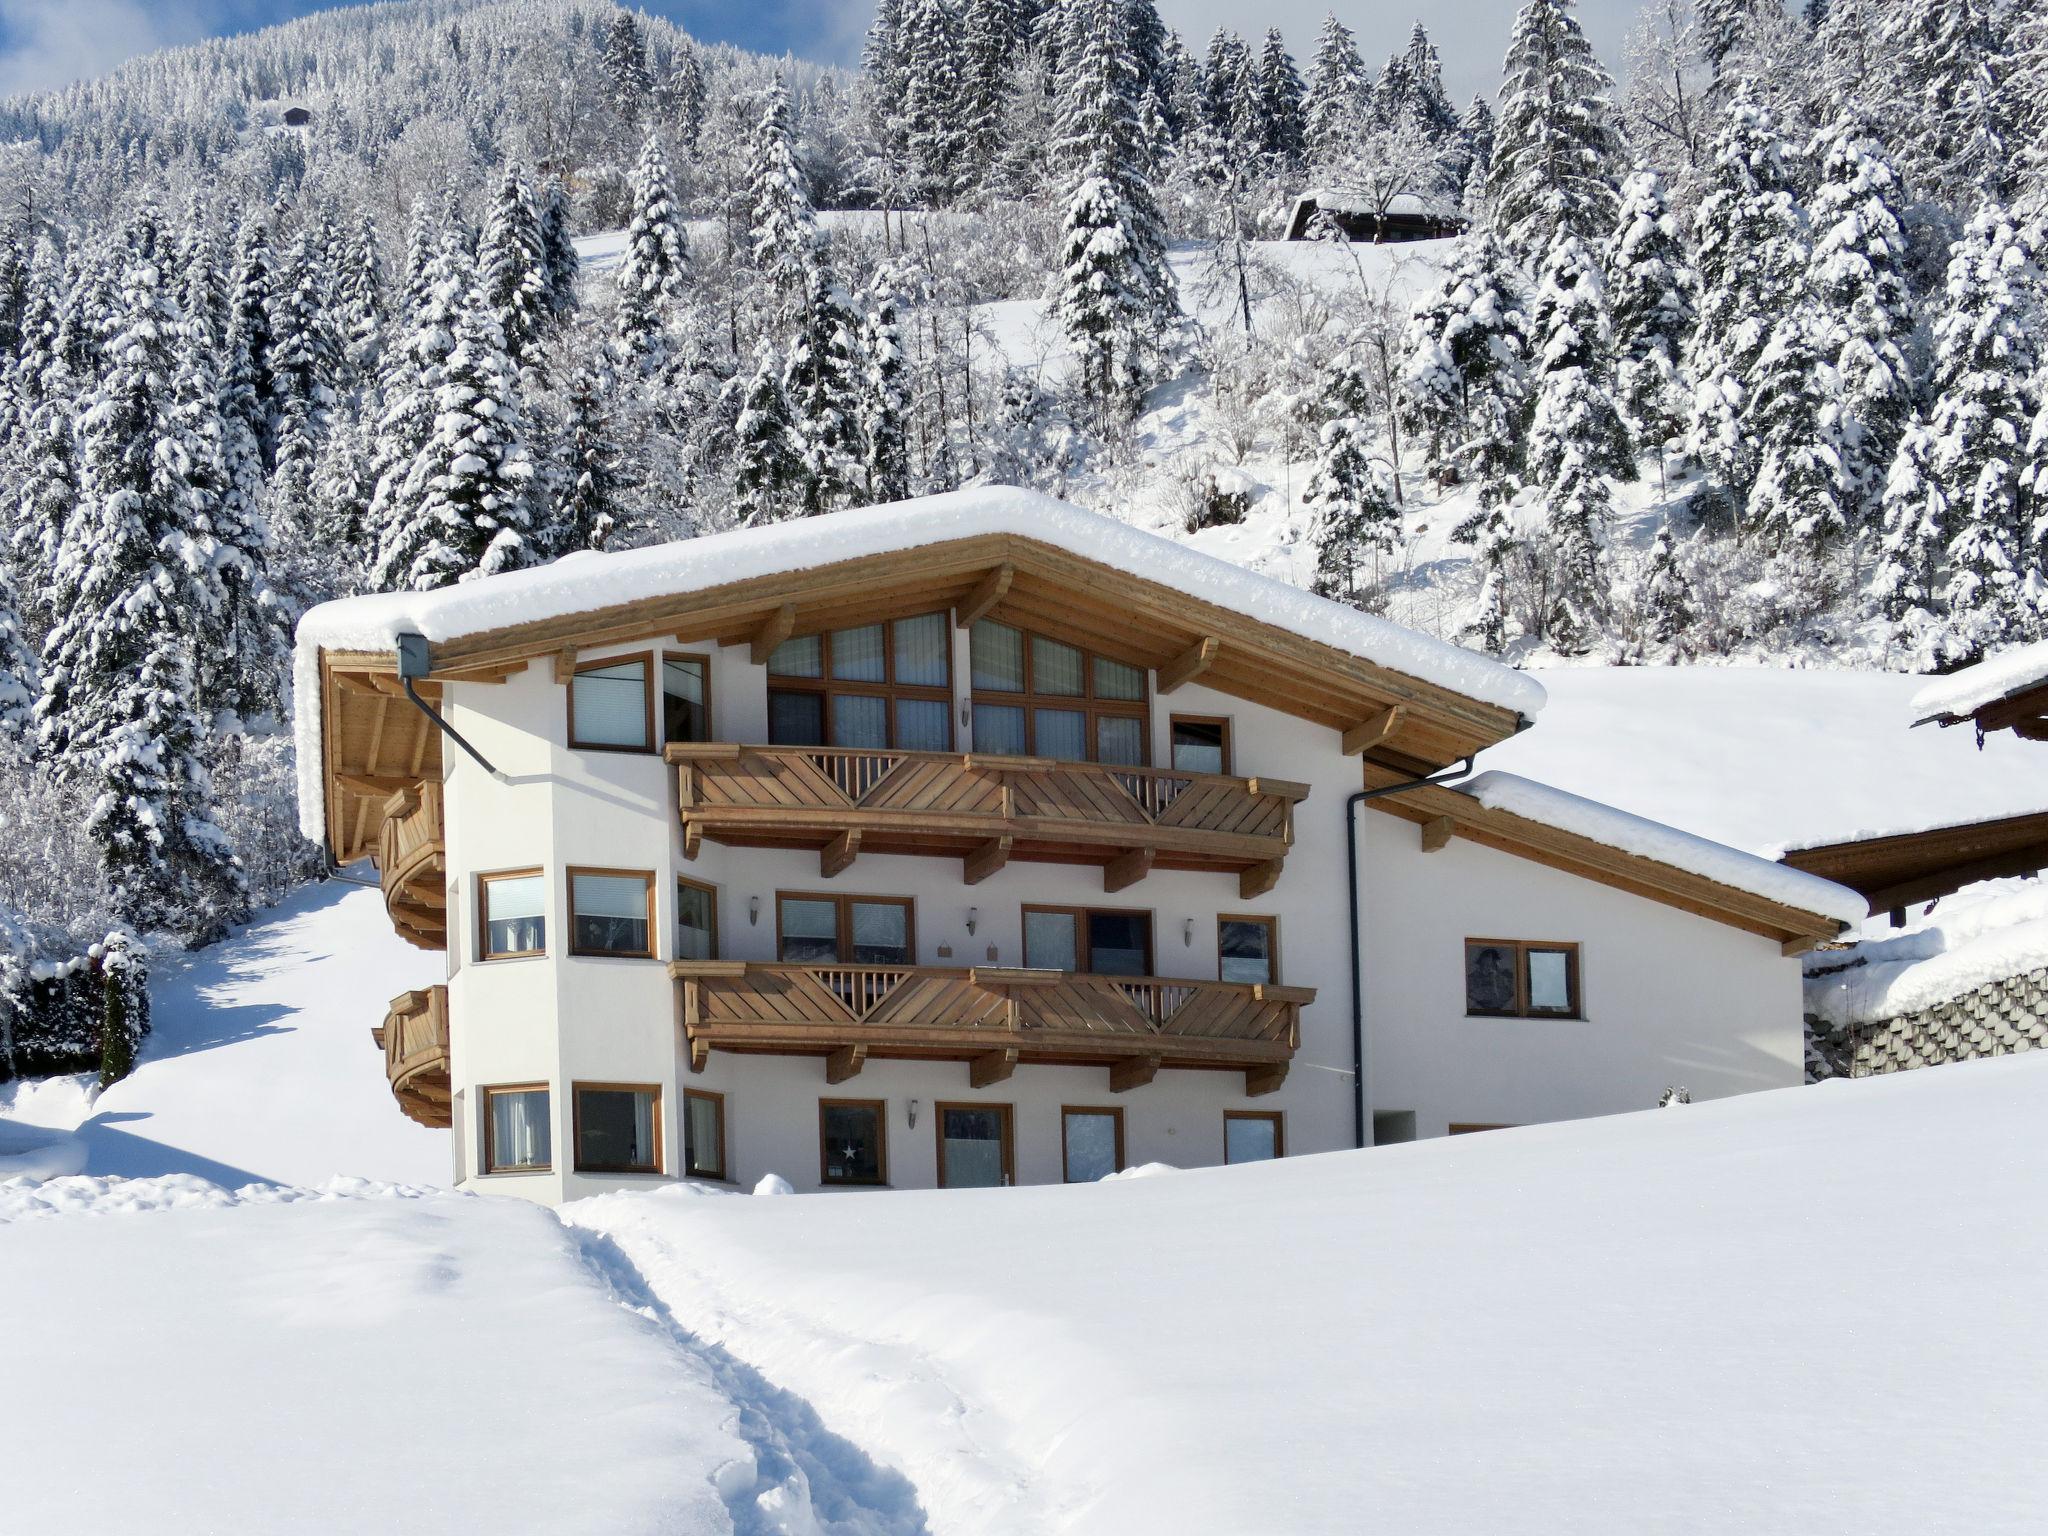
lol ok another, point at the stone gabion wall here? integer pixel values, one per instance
(1997, 1019)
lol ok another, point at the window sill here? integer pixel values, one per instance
(1530, 1018)
(620, 1173)
(513, 1173)
(524, 954)
(608, 954)
(591, 746)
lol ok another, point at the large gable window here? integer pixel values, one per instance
(1039, 697)
(875, 686)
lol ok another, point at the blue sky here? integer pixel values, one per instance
(48, 42)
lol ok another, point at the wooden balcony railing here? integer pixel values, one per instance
(991, 1017)
(414, 1038)
(412, 865)
(985, 810)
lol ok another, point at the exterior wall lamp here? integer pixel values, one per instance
(973, 920)
(913, 1114)
(1187, 932)
(753, 911)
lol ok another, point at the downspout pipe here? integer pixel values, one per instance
(1447, 777)
(412, 665)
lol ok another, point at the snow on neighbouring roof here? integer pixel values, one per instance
(1401, 205)
(1965, 692)
(1973, 943)
(1603, 824)
(581, 583)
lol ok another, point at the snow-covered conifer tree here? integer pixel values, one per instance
(783, 230)
(512, 269)
(1350, 489)
(1554, 147)
(1670, 603)
(821, 382)
(653, 270)
(1943, 73)
(885, 455)
(589, 508)
(1338, 91)
(359, 306)
(625, 66)
(250, 378)
(766, 467)
(305, 359)
(937, 136)
(1464, 381)
(558, 247)
(1280, 104)
(1650, 297)
(1800, 498)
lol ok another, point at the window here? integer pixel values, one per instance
(875, 686)
(516, 1138)
(611, 705)
(853, 1145)
(685, 698)
(704, 1135)
(1251, 1135)
(511, 916)
(696, 921)
(975, 1150)
(1098, 941)
(1201, 744)
(618, 1128)
(1091, 1144)
(1517, 978)
(611, 912)
(1039, 697)
(1248, 949)
(844, 930)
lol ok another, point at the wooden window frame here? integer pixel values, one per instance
(1272, 926)
(1114, 1111)
(483, 914)
(661, 719)
(1574, 981)
(1030, 700)
(646, 876)
(888, 690)
(844, 938)
(486, 1093)
(1229, 740)
(1084, 955)
(576, 1163)
(710, 890)
(690, 1168)
(1009, 1114)
(647, 660)
(1279, 1120)
(881, 1179)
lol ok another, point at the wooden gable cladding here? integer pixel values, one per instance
(374, 744)
(1444, 814)
(1040, 587)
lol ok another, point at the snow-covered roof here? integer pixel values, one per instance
(1514, 795)
(1972, 944)
(1400, 205)
(1963, 693)
(584, 583)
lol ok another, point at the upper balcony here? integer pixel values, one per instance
(414, 1039)
(412, 865)
(992, 1018)
(985, 811)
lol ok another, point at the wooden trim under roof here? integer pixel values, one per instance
(1907, 868)
(1432, 806)
(2024, 713)
(373, 744)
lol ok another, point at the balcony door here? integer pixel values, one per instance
(1100, 941)
(975, 1150)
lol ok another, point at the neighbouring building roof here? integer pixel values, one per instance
(1980, 943)
(1895, 870)
(2008, 690)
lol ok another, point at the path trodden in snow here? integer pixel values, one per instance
(372, 1359)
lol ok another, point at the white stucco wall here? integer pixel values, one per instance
(1671, 998)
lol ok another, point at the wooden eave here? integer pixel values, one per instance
(373, 743)
(2025, 714)
(1907, 868)
(1443, 814)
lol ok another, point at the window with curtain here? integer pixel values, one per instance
(516, 1137)
(1092, 1144)
(1098, 942)
(1250, 1136)
(852, 1142)
(1518, 978)
(610, 912)
(1035, 696)
(618, 1128)
(872, 687)
(696, 921)
(704, 1134)
(511, 909)
(1247, 949)
(610, 706)
(685, 698)
(844, 930)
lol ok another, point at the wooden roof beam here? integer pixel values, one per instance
(1259, 879)
(838, 855)
(565, 664)
(845, 1063)
(994, 1067)
(1127, 869)
(775, 629)
(1375, 730)
(1135, 1072)
(1189, 664)
(986, 860)
(989, 591)
(1437, 833)
(1260, 1081)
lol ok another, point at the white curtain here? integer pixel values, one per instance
(611, 705)
(513, 923)
(611, 912)
(1119, 739)
(1114, 680)
(922, 725)
(1055, 668)
(1091, 1147)
(996, 653)
(1061, 734)
(922, 644)
(519, 1129)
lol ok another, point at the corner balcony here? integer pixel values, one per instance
(985, 810)
(414, 1039)
(992, 1018)
(412, 866)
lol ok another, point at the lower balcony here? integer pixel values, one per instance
(985, 810)
(992, 1018)
(414, 1039)
(413, 867)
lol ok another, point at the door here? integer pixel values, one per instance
(974, 1146)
